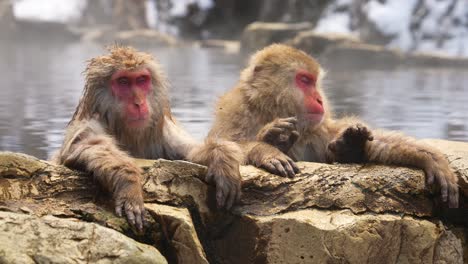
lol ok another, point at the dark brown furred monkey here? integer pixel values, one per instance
(279, 92)
(123, 113)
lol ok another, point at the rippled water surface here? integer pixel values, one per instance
(41, 86)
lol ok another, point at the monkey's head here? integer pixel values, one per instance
(283, 81)
(125, 87)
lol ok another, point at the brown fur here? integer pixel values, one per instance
(97, 138)
(266, 92)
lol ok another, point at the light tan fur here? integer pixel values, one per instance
(266, 91)
(97, 138)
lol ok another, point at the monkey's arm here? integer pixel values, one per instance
(395, 148)
(88, 147)
(221, 156)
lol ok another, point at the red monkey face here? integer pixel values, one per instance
(131, 89)
(313, 103)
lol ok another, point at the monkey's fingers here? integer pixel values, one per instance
(443, 186)
(274, 166)
(365, 132)
(269, 167)
(453, 196)
(449, 190)
(289, 169)
(232, 196)
(357, 132)
(285, 125)
(292, 120)
(279, 168)
(234, 191)
(294, 166)
(273, 132)
(118, 209)
(430, 177)
(221, 194)
(294, 136)
(130, 214)
(139, 218)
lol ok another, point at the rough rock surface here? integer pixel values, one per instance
(353, 54)
(316, 43)
(328, 213)
(180, 231)
(316, 236)
(227, 46)
(260, 34)
(48, 239)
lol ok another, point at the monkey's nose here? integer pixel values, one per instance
(320, 101)
(138, 103)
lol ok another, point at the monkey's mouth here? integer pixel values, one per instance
(139, 121)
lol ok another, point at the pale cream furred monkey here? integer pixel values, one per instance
(279, 99)
(124, 113)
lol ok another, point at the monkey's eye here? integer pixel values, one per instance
(306, 80)
(142, 79)
(123, 81)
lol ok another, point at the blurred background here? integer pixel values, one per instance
(398, 64)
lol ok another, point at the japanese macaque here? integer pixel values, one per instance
(124, 112)
(279, 101)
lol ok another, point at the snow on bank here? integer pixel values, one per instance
(335, 22)
(180, 7)
(393, 19)
(65, 11)
(435, 26)
(50, 10)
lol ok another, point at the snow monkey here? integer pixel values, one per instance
(279, 100)
(124, 112)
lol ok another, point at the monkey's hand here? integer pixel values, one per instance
(349, 147)
(281, 133)
(438, 170)
(272, 160)
(228, 185)
(128, 197)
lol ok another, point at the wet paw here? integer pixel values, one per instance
(350, 146)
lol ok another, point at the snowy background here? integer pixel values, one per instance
(435, 26)
(431, 26)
